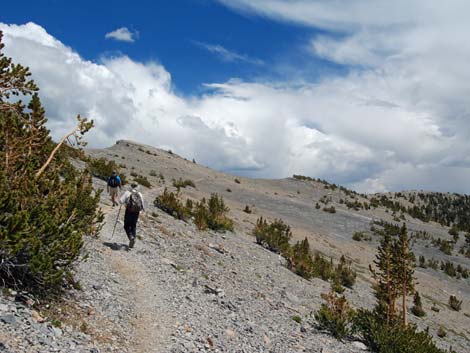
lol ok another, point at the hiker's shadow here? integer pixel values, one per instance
(116, 246)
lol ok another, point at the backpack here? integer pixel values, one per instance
(113, 181)
(134, 203)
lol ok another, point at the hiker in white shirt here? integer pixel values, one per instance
(134, 202)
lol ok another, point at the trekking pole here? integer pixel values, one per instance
(115, 224)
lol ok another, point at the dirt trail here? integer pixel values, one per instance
(149, 319)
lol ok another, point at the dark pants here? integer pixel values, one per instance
(130, 223)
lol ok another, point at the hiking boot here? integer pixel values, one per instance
(131, 243)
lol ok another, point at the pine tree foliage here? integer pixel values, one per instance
(43, 216)
(417, 308)
(385, 287)
(446, 209)
(344, 273)
(395, 263)
(300, 259)
(335, 316)
(382, 338)
(393, 277)
(454, 303)
(274, 236)
(404, 266)
(212, 214)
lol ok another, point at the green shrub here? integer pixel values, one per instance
(217, 214)
(56, 323)
(300, 259)
(446, 247)
(323, 268)
(454, 303)
(344, 273)
(201, 215)
(44, 213)
(102, 169)
(435, 309)
(229, 190)
(358, 236)
(422, 262)
(434, 264)
(274, 236)
(465, 249)
(417, 308)
(153, 173)
(330, 209)
(213, 214)
(247, 209)
(441, 333)
(189, 205)
(180, 183)
(465, 273)
(170, 203)
(237, 181)
(335, 316)
(297, 319)
(142, 180)
(448, 268)
(336, 286)
(380, 338)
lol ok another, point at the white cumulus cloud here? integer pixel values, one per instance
(391, 124)
(122, 34)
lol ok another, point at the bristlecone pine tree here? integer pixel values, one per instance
(46, 205)
(395, 264)
(404, 266)
(385, 287)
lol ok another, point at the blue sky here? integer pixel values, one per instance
(371, 94)
(169, 32)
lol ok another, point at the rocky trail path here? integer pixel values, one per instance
(150, 320)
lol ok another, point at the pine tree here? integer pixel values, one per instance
(46, 205)
(403, 268)
(299, 259)
(385, 286)
(417, 308)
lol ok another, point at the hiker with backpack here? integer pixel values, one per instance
(114, 182)
(134, 204)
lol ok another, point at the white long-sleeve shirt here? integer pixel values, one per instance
(125, 198)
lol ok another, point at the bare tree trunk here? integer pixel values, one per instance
(54, 151)
(389, 291)
(405, 321)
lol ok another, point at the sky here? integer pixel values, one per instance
(370, 94)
